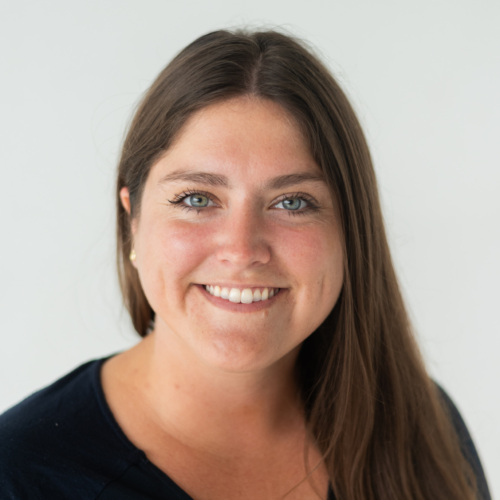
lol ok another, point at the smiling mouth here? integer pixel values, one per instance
(244, 295)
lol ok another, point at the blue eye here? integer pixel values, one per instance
(292, 204)
(194, 200)
(197, 200)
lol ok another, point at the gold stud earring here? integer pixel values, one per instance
(132, 255)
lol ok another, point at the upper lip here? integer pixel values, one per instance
(238, 285)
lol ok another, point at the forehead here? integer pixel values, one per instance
(245, 135)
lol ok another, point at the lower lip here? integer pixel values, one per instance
(239, 307)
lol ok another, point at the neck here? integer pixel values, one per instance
(195, 402)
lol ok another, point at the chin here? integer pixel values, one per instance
(243, 354)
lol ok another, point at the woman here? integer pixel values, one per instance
(277, 358)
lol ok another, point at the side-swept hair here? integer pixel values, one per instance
(371, 407)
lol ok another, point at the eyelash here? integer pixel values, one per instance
(312, 205)
(180, 198)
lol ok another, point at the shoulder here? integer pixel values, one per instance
(44, 415)
(60, 438)
(466, 443)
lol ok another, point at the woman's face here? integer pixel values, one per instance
(238, 241)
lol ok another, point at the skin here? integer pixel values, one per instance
(237, 201)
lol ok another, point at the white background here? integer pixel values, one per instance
(425, 79)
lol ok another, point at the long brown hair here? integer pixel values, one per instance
(375, 415)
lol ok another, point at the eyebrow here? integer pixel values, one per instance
(284, 181)
(279, 182)
(198, 177)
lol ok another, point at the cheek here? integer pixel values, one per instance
(315, 252)
(171, 249)
(317, 262)
(167, 256)
(185, 242)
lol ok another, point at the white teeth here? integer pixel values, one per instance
(246, 296)
(235, 296)
(243, 296)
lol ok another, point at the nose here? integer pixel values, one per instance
(242, 239)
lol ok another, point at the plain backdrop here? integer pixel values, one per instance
(425, 80)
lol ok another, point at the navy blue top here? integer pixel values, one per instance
(63, 443)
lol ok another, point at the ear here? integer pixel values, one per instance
(125, 199)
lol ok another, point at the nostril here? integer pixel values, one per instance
(244, 252)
